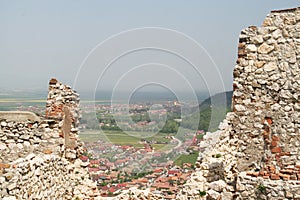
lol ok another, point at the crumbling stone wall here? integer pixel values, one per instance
(40, 159)
(63, 107)
(266, 93)
(259, 141)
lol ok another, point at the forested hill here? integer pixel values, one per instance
(212, 111)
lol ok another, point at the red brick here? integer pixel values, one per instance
(275, 177)
(249, 173)
(4, 166)
(286, 171)
(269, 120)
(275, 138)
(285, 177)
(273, 143)
(272, 169)
(255, 174)
(53, 81)
(285, 154)
(47, 151)
(276, 150)
(261, 173)
(266, 177)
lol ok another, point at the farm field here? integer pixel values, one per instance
(124, 138)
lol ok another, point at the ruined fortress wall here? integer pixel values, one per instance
(259, 141)
(266, 94)
(19, 116)
(39, 159)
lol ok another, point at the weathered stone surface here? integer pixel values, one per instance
(18, 116)
(270, 66)
(251, 48)
(32, 162)
(265, 48)
(259, 139)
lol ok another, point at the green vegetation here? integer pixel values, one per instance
(261, 188)
(212, 111)
(217, 155)
(202, 193)
(219, 104)
(191, 158)
(200, 136)
(165, 123)
(124, 138)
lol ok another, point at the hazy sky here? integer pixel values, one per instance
(44, 39)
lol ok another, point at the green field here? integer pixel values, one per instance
(123, 138)
(191, 158)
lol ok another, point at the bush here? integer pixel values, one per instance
(261, 188)
(202, 193)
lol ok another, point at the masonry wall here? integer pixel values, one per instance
(40, 159)
(266, 93)
(259, 140)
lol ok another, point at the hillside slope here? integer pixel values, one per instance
(212, 111)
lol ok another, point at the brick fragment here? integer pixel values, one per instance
(53, 81)
(275, 177)
(4, 166)
(47, 151)
(276, 150)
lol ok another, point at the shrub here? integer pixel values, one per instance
(202, 193)
(261, 188)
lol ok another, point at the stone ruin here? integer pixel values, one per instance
(62, 109)
(254, 155)
(39, 158)
(258, 145)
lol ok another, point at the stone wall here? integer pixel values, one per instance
(266, 92)
(259, 141)
(19, 116)
(39, 159)
(63, 107)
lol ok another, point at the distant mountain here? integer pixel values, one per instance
(212, 111)
(220, 99)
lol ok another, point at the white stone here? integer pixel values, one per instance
(270, 66)
(275, 107)
(265, 48)
(12, 186)
(227, 196)
(2, 146)
(239, 108)
(2, 180)
(3, 123)
(258, 39)
(30, 156)
(287, 108)
(213, 194)
(20, 145)
(26, 144)
(251, 48)
(9, 198)
(217, 185)
(71, 155)
(276, 34)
